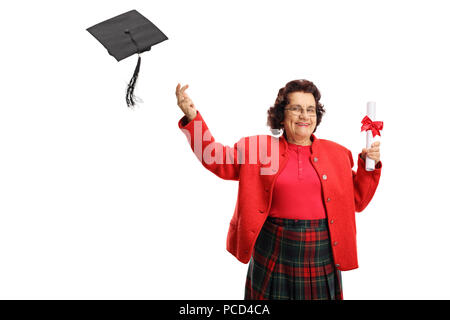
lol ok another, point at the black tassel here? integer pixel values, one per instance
(130, 98)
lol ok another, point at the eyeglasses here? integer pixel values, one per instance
(296, 110)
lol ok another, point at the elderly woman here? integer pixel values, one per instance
(294, 219)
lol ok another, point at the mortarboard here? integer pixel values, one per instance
(125, 35)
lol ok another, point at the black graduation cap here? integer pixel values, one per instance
(125, 35)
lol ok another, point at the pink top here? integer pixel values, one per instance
(297, 193)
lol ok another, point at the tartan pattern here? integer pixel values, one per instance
(292, 260)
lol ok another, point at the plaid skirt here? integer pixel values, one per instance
(292, 260)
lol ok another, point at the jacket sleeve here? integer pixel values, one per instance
(221, 160)
(364, 182)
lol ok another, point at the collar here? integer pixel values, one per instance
(314, 146)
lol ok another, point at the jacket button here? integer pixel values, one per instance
(328, 199)
(315, 159)
(324, 177)
(261, 211)
(335, 243)
(331, 221)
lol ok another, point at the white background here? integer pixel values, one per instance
(98, 201)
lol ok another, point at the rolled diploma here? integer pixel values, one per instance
(371, 113)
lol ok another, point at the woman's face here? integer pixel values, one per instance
(300, 117)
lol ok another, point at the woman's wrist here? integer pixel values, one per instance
(190, 117)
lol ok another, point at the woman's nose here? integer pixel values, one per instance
(302, 115)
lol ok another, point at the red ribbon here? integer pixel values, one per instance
(374, 126)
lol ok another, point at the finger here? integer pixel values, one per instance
(177, 90)
(375, 144)
(374, 156)
(184, 88)
(179, 94)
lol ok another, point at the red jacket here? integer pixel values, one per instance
(256, 162)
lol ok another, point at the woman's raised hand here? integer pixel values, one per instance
(185, 103)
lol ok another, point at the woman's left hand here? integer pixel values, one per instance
(373, 152)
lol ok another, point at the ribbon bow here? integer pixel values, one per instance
(374, 126)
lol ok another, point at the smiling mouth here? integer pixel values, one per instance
(301, 124)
